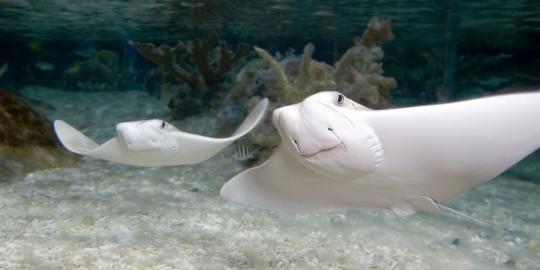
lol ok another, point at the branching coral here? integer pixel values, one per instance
(377, 33)
(164, 56)
(201, 65)
(358, 74)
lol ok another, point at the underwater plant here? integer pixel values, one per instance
(198, 66)
(358, 74)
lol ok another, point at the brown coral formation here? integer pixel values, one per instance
(377, 33)
(27, 142)
(358, 74)
(200, 66)
(360, 69)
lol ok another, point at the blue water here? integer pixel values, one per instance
(75, 60)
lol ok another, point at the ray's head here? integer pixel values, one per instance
(310, 127)
(147, 135)
(322, 134)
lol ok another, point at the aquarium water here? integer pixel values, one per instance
(201, 66)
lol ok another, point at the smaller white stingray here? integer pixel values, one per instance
(336, 154)
(153, 143)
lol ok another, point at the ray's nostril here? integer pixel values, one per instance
(295, 142)
(330, 129)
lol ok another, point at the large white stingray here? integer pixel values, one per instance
(336, 154)
(153, 143)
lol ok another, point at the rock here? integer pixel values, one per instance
(27, 142)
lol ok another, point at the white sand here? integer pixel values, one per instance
(110, 216)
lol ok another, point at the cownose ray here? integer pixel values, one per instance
(154, 143)
(338, 155)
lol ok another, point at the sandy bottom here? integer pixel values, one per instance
(111, 216)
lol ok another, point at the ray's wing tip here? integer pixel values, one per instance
(62, 129)
(58, 123)
(72, 139)
(230, 190)
(243, 189)
(261, 107)
(254, 117)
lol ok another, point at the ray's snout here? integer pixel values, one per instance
(307, 134)
(130, 134)
(123, 131)
(275, 117)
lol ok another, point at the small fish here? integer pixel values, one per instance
(44, 66)
(3, 69)
(244, 153)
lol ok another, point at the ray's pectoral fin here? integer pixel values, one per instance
(76, 142)
(73, 139)
(411, 204)
(281, 184)
(195, 148)
(265, 186)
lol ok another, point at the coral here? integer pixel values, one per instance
(102, 72)
(27, 142)
(285, 89)
(358, 74)
(201, 65)
(164, 56)
(377, 33)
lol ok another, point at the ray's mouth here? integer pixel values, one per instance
(276, 119)
(321, 151)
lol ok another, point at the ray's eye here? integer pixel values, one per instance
(163, 124)
(340, 99)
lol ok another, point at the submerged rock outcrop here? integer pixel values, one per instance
(27, 142)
